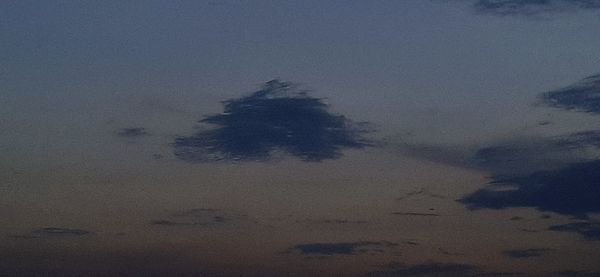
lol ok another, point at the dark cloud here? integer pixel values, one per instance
(200, 217)
(533, 7)
(132, 132)
(589, 230)
(53, 231)
(526, 253)
(573, 190)
(275, 118)
(435, 269)
(342, 248)
(583, 96)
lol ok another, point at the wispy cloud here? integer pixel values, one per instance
(276, 118)
(533, 7)
(341, 248)
(526, 253)
(132, 132)
(200, 217)
(583, 96)
(435, 269)
(589, 230)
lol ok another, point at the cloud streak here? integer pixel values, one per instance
(533, 7)
(589, 230)
(583, 96)
(342, 248)
(526, 253)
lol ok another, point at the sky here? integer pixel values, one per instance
(300, 138)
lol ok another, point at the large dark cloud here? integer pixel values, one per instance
(277, 117)
(573, 190)
(589, 230)
(341, 248)
(533, 7)
(583, 96)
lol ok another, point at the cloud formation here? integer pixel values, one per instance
(573, 190)
(61, 231)
(583, 96)
(435, 269)
(199, 217)
(533, 7)
(276, 118)
(132, 132)
(342, 248)
(589, 230)
(526, 253)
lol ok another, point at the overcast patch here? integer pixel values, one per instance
(589, 230)
(276, 118)
(583, 96)
(533, 7)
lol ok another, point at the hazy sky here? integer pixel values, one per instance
(300, 138)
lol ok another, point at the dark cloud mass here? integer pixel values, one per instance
(532, 7)
(342, 248)
(573, 190)
(525, 253)
(277, 117)
(589, 230)
(583, 96)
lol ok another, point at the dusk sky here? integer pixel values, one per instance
(300, 138)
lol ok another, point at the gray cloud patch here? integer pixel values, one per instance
(533, 7)
(526, 253)
(589, 230)
(275, 118)
(583, 96)
(342, 248)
